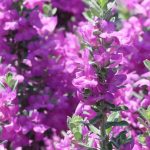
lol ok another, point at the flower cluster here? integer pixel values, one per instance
(71, 84)
(113, 72)
(43, 56)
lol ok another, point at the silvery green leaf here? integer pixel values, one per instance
(147, 64)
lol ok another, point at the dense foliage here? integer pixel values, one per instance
(74, 75)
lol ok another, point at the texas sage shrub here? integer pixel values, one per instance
(74, 75)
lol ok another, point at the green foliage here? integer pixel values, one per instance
(48, 10)
(102, 73)
(87, 146)
(18, 5)
(145, 113)
(75, 124)
(144, 118)
(118, 108)
(120, 139)
(87, 92)
(98, 8)
(2, 86)
(103, 3)
(107, 123)
(143, 122)
(9, 77)
(113, 107)
(114, 116)
(96, 118)
(124, 13)
(94, 129)
(100, 125)
(115, 123)
(110, 146)
(141, 139)
(10, 81)
(88, 15)
(137, 95)
(147, 64)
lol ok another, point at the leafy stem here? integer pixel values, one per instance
(104, 138)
